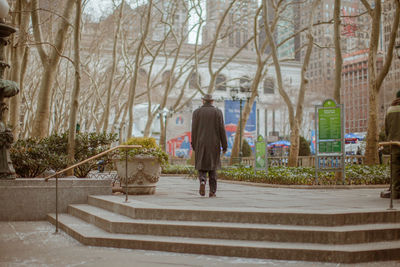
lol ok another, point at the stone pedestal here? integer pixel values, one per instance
(139, 175)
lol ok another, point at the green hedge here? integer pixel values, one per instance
(31, 157)
(355, 175)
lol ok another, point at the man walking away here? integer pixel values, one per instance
(208, 136)
(392, 130)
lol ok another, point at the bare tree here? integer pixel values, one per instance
(50, 62)
(132, 87)
(220, 34)
(338, 51)
(113, 67)
(19, 58)
(295, 119)
(74, 102)
(376, 78)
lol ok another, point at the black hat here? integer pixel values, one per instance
(207, 97)
(398, 94)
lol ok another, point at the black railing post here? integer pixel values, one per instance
(391, 179)
(56, 205)
(126, 175)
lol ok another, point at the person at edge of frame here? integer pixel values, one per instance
(392, 131)
(208, 136)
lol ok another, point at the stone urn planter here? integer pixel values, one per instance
(143, 174)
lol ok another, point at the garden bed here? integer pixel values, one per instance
(355, 175)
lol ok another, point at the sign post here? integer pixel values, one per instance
(329, 126)
(261, 159)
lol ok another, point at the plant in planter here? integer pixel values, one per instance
(139, 169)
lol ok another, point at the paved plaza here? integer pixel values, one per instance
(34, 244)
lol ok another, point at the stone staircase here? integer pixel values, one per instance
(349, 237)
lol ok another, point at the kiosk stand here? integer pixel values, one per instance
(329, 135)
(261, 156)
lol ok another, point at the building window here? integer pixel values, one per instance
(269, 86)
(238, 39)
(244, 84)
(195, 81)
(165, 76)
(220, 83)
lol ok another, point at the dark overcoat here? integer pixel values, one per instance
(208, 137)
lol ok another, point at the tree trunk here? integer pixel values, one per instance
(132, 88)
(113, 69)
(21, 20)
(371, 150)
(50, 63)
(42, 114)
(149, 123)
(74, 102)
(375, 80)
(246, 113)
(338, 52)
(294, 144)
(163, 128)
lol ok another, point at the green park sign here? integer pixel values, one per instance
(330, 127)
(261, 155)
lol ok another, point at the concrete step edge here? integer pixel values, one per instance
(89, 234)
(116, 218)
(115, 223)
(139, 210)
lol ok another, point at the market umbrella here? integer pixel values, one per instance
(280, 143)
(353, 136)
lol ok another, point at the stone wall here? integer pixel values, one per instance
(33, 199)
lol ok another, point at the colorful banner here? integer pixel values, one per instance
(312, 142)
(260, 154)
(179, 135)
(232, 114)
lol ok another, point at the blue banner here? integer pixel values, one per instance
(232, 114)
(312, 142)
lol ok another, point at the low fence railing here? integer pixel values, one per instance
(303, 161)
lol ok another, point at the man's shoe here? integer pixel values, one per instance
(387, 193)
(202, 190)
(212, 195)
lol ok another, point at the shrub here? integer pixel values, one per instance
(145, 142)
(149, 147)
(88, 145)
(31, 157)
(246, 149)
(355, 175)
(178, 169)
(304, 149)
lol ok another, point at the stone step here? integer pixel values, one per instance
(350, 234)
(89, 234)
(141, 210)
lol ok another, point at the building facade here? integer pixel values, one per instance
(354, 91)
(392, 80)
(354, 37)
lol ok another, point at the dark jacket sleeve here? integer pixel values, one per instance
(222, 133)
(194, 130)
(386, 128)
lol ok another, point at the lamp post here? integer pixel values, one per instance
(165, 114)
(235, 96)
(7, 89)
(397, 47)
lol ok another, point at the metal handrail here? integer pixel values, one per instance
(84, 161)
(390, 144)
